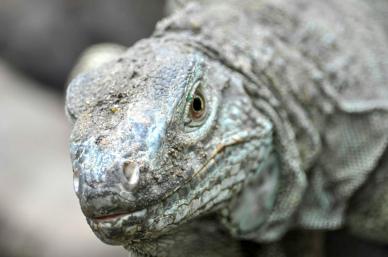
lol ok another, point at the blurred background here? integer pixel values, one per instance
(40, 41)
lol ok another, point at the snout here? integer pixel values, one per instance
(116, 195)
(105, 183)
(124, 172)
(102, 202)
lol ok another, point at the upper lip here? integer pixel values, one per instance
(105, 203)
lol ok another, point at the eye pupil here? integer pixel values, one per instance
(197, 104)
(197, 107)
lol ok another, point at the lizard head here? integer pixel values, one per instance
(161, 135)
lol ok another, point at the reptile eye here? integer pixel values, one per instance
(198, 106)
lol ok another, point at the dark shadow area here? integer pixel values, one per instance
(340, 243)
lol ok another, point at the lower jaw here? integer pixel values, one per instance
(121, 229)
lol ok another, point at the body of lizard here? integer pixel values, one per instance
(236, 120)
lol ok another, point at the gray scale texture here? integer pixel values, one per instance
(292, 138)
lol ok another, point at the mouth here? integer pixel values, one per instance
(114, 218)
(118, 228)
(110, 217)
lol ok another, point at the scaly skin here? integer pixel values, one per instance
(286, 134)
(182, 171)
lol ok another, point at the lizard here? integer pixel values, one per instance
(233, 124)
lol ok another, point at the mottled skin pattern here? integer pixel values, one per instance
(292, 121)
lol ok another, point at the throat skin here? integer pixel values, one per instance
(202, 237)
(214, 234)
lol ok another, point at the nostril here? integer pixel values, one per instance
(131, 171)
